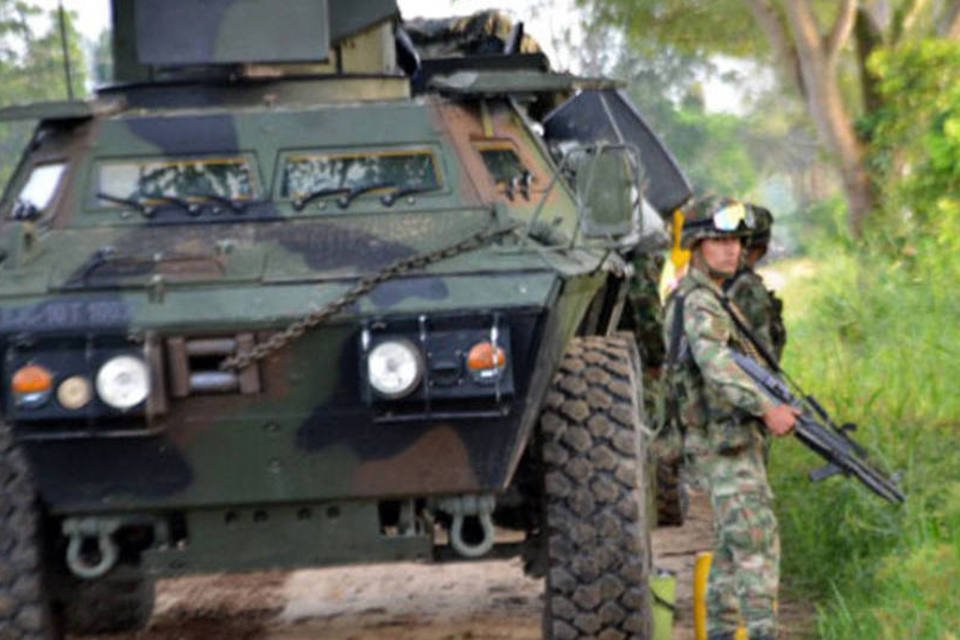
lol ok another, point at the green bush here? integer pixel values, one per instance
(877, 339)
(915, 136)
(875, 334)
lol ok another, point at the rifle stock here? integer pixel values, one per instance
(842, 453)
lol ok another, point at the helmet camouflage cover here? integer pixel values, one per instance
(701, 222)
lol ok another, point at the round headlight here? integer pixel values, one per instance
(123, 382)
(394, 368)
(74, 392)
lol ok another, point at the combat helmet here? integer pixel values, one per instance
(762, 226)
(716, 217)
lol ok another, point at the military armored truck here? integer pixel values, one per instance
(297, 291)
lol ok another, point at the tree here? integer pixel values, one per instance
(817, 46)
(715, 149)
(31, 69)
(916, 136)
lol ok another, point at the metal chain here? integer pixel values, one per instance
(297, 328)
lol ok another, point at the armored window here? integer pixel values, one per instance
(305, 173)
(232, 177)
(36, 194)
(501, 160)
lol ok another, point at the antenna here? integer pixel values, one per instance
(66, 50)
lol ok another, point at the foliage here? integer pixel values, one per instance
(667, 76)
(720, 152)
(829, 73)
(31, 69)
(689, 26)
(917, 136)
(710, 147)
(875, 338)
(874, 335)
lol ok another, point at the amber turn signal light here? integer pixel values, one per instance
(31, 386)
(486, 360)
(32, 379)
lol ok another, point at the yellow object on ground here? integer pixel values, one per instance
(701, 575)
(664, 587)
(701, 572)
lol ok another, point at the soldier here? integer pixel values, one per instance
(644, 315)
(725, 418)
(762, 308)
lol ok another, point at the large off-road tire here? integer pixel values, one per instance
(24, 606)
(672, 499)
(120, 601)
(595, 528)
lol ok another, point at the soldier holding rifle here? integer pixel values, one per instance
(726, 419)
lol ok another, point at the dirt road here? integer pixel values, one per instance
(476, 601)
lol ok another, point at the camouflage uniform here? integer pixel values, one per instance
(761, 307)
(644, 316)
(724, 444)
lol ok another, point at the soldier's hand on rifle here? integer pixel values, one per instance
(781, 419)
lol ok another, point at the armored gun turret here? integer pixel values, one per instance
(302, 289)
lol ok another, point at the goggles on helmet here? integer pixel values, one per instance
(727, 219)
(731, 216)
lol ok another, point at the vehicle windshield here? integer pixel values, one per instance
(305, 173)
(232, 178)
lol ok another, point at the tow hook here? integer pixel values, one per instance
(474, 510)
(91, 553)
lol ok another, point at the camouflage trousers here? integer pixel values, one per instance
(745, 572)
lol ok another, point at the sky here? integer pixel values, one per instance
(93, 16)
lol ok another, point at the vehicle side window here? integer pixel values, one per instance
(501, 161)
(304, 173)
(232, 177)
(36, 194)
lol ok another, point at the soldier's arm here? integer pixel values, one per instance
(707, 328)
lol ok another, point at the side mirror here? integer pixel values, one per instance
(608, 188)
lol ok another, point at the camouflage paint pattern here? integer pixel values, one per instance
(152, 40)
(198, 211)
(308, 434)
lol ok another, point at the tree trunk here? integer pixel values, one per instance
(869, 36)
(770, 21)
(951, 24)
(826, 107)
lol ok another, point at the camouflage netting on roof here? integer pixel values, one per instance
(485, 32)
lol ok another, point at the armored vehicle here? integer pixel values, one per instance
(300, 289)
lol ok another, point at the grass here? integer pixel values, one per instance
(877, 339)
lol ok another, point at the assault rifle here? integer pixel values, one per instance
(814, 426)
(816, 430)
